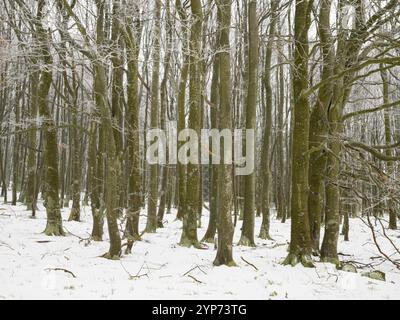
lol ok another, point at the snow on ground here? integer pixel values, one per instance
(159, 268)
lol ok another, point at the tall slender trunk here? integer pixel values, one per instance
(189, 231)
(52, 202)
(319, 129)
(164, 104)
(151, 225)
(247, 237)
(209, 237)
(111, 165)
(132, 40)
(280, 156)
(32, 142)
(95, 176)
(388, 138)
(181, 169)
(117, 96)
(300, 243)
(75, 214)
(265, 158)
(224, 225)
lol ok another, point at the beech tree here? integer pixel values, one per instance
(189, 231)
(300, 242)
(52, 202)
(224, 224)
(249, 197)
(151, 225)
(83, 82)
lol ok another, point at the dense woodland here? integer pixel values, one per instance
(82, 82)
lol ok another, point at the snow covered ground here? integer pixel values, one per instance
(160, 269)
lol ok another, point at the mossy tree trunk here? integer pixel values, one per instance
(390, 205)
(95, 176)
(117, 97)
(209, 237)
(189, 230)
(75, 214)
(265, 157)
(111, 165)
(30, 193)
(16, 151)
(181, 169)
(224, 225)
(349, 45)
(247, 237)
(151, 225)
(164, 103)
(332, 217)
(51, 196)
(300, 242)
(346, 53)
(132, 39)
(280, 142)
(319, 129)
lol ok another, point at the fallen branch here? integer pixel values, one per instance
(138, 275)
(250, 264)
(6, 245)
(344, 254)
(194, 268)
(60, 269)
(198, 281)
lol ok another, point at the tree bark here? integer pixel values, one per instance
(189, 231)
(319, 129)
(265, 158)
(132, 39)
(247, 237)
(151, 225)
(390, 205)
(52, 202)
(224, 225)
(112, 169)
(300, 243)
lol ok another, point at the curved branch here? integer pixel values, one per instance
(366, 111)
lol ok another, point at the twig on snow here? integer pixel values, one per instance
(250, 264)
(61, 269)
(344, 254)
(198, 281)
(194, 268)
(138, 275)
(6, 245)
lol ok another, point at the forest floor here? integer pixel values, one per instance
(31, 265)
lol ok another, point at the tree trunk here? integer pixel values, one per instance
(209, 237)
(319, 129)
(300, 243)
(189, 231)
(265, 158)
(32, 152)
(75, 214)
(95, 176)
(112, 169)
(247, 237)
(164, 105)
(134, 200)
(52, 202)
(224, 224)
(151, 225)
(388, 138)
